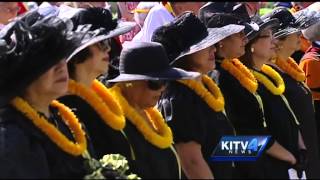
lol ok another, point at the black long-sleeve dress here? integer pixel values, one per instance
(283, 127)
(145, 160)
(300, 99)
(247, 117)
(105, 139)
(191, 119)
(26, 152)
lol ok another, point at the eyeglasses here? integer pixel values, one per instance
(156, 85)
(104, 45)
(10, 10)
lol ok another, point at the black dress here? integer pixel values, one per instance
(149, 161)
(26, 152)
(300, 99)
(191, 119)
(283, 128)
(243, 110)
(105, 140)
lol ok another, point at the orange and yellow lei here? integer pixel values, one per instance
(51, 131)
(241, 73)
(99, 98)
(160, 135)
(213, 97)
(290, 67)
(280, 86)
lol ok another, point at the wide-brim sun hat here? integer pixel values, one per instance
(187, 35)
(268, 23)
(287, 22)
(97, 18)
(309, 16)
(238, 11)
(29, 49)
(148, 61)
(214, 35)
(122, 28)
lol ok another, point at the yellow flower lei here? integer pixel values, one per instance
(102, 101)
(267, 83)
(241, 73)
(52, 132)
(291, 67)
(161, 136)
(214, 98)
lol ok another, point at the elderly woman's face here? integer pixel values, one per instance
(264, 47)
(234, 45)
(53, 83)
(145, 93)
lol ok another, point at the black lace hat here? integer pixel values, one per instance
(287, 22)
(218, 14)
(187, 35)
(98, 18)
(28, 49)
(263, 24)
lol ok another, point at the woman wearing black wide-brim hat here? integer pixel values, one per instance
(280, 119)
(144, 75)
(91, 100)
(297, 93)
(194, 109)
(243, 104)
(40, 137)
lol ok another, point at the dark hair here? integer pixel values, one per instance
(78, 59)
(184, 63)
(247, 59)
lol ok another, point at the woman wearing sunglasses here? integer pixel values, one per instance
(144, 75)
(194, 109)
(281, 120)
(298, 94)
(89, 98)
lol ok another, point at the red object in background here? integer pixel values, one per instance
(23, 8)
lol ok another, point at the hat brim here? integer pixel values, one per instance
(285, 32)
(168, 74)
(269, 24)
(214, 35)
(122, 28)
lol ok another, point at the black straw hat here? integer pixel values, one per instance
(97, 18)
(187, 35)
(288, 24)
(206, 11)
(268, 23)
(148, 61)
(29, 50)
(226, 13)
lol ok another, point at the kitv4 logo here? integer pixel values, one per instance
(240, 148)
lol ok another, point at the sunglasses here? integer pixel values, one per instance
(156, 85)
(104, 45)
